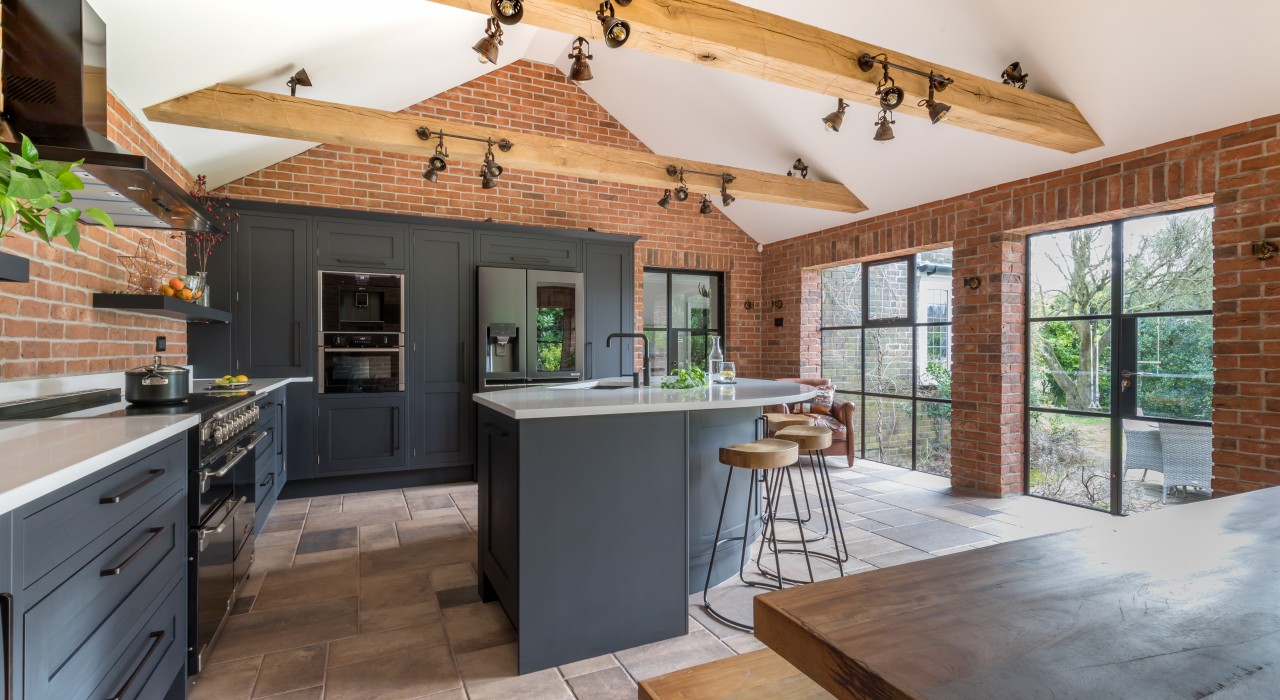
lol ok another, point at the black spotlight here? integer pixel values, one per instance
(487, 48)
(299, 78)
(937, 110)
(726, 198)
(507, 11)
(836, 118)
(616, 31)
(580, 71)
(665, 202)
(884, 126)
(682, 192)
(437, 161)
(431, 174)
(487, 181)
(706, 206)
(1014, 76)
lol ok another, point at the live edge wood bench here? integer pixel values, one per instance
(759, 675)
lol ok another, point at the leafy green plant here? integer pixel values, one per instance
(691, 378)
(33, 193)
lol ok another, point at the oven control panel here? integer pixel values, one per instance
(225, 426)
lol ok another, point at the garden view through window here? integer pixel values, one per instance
(886, 345)
(1120, 346)
(682, 310)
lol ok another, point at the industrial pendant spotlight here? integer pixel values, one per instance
(799, 167)
(665, 202)
(489, 172)
(431, 174)
(726, 198)
(580, 71)
(682, 190)
(1014, 76)
(706, 206)
(437, 162)
(299, 78)
(884, 126)
(487, 48)
(937, 110)
(616, 31)
(507, 11)
(835, 119)
(490, 165)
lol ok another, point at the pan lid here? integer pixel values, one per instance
(156, 368)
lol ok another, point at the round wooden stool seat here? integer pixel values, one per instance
(761, 454)
(810, 438)
(778, 421)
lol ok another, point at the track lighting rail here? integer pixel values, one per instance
(426, 134)
(867, 62)
(725, 178)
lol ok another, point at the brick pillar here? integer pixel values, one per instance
(987, 363)
(1246, 305)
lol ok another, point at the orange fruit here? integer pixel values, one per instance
(176, 283)
(166, 290)
(198, 294)
(185, 294)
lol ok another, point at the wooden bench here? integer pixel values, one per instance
(759, 675)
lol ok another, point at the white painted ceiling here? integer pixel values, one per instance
(1141, 71)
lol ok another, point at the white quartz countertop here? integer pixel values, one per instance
(260, 386)
(584, 399)
(41, 456)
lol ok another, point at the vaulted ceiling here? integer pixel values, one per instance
(1141, 71)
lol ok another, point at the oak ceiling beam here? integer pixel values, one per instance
(245, 111)
(732, 37)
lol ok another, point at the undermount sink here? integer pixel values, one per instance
(611, 386)
(598, 384)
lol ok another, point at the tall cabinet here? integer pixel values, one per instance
(610, 285)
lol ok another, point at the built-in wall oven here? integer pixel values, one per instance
(361, 344)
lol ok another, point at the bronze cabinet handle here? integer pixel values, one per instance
(151, 476)
(119, 569)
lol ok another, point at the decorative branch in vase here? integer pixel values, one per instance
(201, 243)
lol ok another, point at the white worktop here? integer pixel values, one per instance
(580, 399)
(38, 457)
(260, 386)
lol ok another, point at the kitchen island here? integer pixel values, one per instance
(598, 507)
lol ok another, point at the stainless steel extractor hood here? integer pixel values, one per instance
(55, 92)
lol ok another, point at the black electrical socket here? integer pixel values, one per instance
(161, 343)
(777, 323)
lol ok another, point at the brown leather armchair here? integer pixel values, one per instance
(840, 422)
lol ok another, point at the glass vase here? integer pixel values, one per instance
(715, 358)
(198, 283)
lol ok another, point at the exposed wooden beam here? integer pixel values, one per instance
(729, 36)
(245, 111)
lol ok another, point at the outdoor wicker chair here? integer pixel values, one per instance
(1142, 449)
(1187, 452)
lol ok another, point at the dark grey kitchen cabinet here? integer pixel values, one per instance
(610, 299)
(358, 244)
(498, 472)
(440, 319)
(8, 609)
(528, 250)
(299, 428)
(361, 433)
(274, 286)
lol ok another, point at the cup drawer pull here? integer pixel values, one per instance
(151, 476)
(117, 570)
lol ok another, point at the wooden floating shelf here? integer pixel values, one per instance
(14, 268)
(160, 305)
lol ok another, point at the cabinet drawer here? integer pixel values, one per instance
(267, 446)
(150, 661)
(528, 251)
(364, 245)
(55, 531)
(71, 636)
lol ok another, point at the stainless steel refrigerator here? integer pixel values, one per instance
(531, 327)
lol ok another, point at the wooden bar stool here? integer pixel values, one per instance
(814, 439)
(760, 456)
(773, 422)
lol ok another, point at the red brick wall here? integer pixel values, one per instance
(534, 98)
(1236, 168)
(48, 326)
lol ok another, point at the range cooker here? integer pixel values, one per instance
(220, 493)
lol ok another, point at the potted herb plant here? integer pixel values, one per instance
(34, 195)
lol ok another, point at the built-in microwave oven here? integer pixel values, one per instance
(361, 302)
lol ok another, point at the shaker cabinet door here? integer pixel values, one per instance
(361, 433)
(610, 299)
(275, 334)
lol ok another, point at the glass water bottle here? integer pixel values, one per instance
(715, 359)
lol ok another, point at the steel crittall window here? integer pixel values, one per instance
(886, 345)
(682, 310)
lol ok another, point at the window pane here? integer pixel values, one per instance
(933, 286)
(889, 431)
(889, 361)
(1071, 365)
(655, 299)
(694, 301)
(691, 350)
(842, 296)
(657, 350)
(1071, 273)
(1071, 458)
(842, 359)
(1168, 263)
(933, 437)
(1175, 365)
(933, 348)
(887, 291)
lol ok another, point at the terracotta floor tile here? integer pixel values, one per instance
(336, 521)
(418, 555)
(404, 676)
(453, 576)
(328, 540)
(475, 627)
(232, 680)
(365, 647)
(287, 628)
(286, 671)
(397, 600)
(441, 527)
(314, 693)
(378, 536)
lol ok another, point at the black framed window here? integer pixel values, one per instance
(682, 310)
(886, 345)
(1120, 373)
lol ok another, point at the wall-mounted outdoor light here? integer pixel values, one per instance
(1265, 250)
(972, 282)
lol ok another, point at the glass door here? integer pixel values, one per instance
(555, 308)
(1119, 339)
(682, 310)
